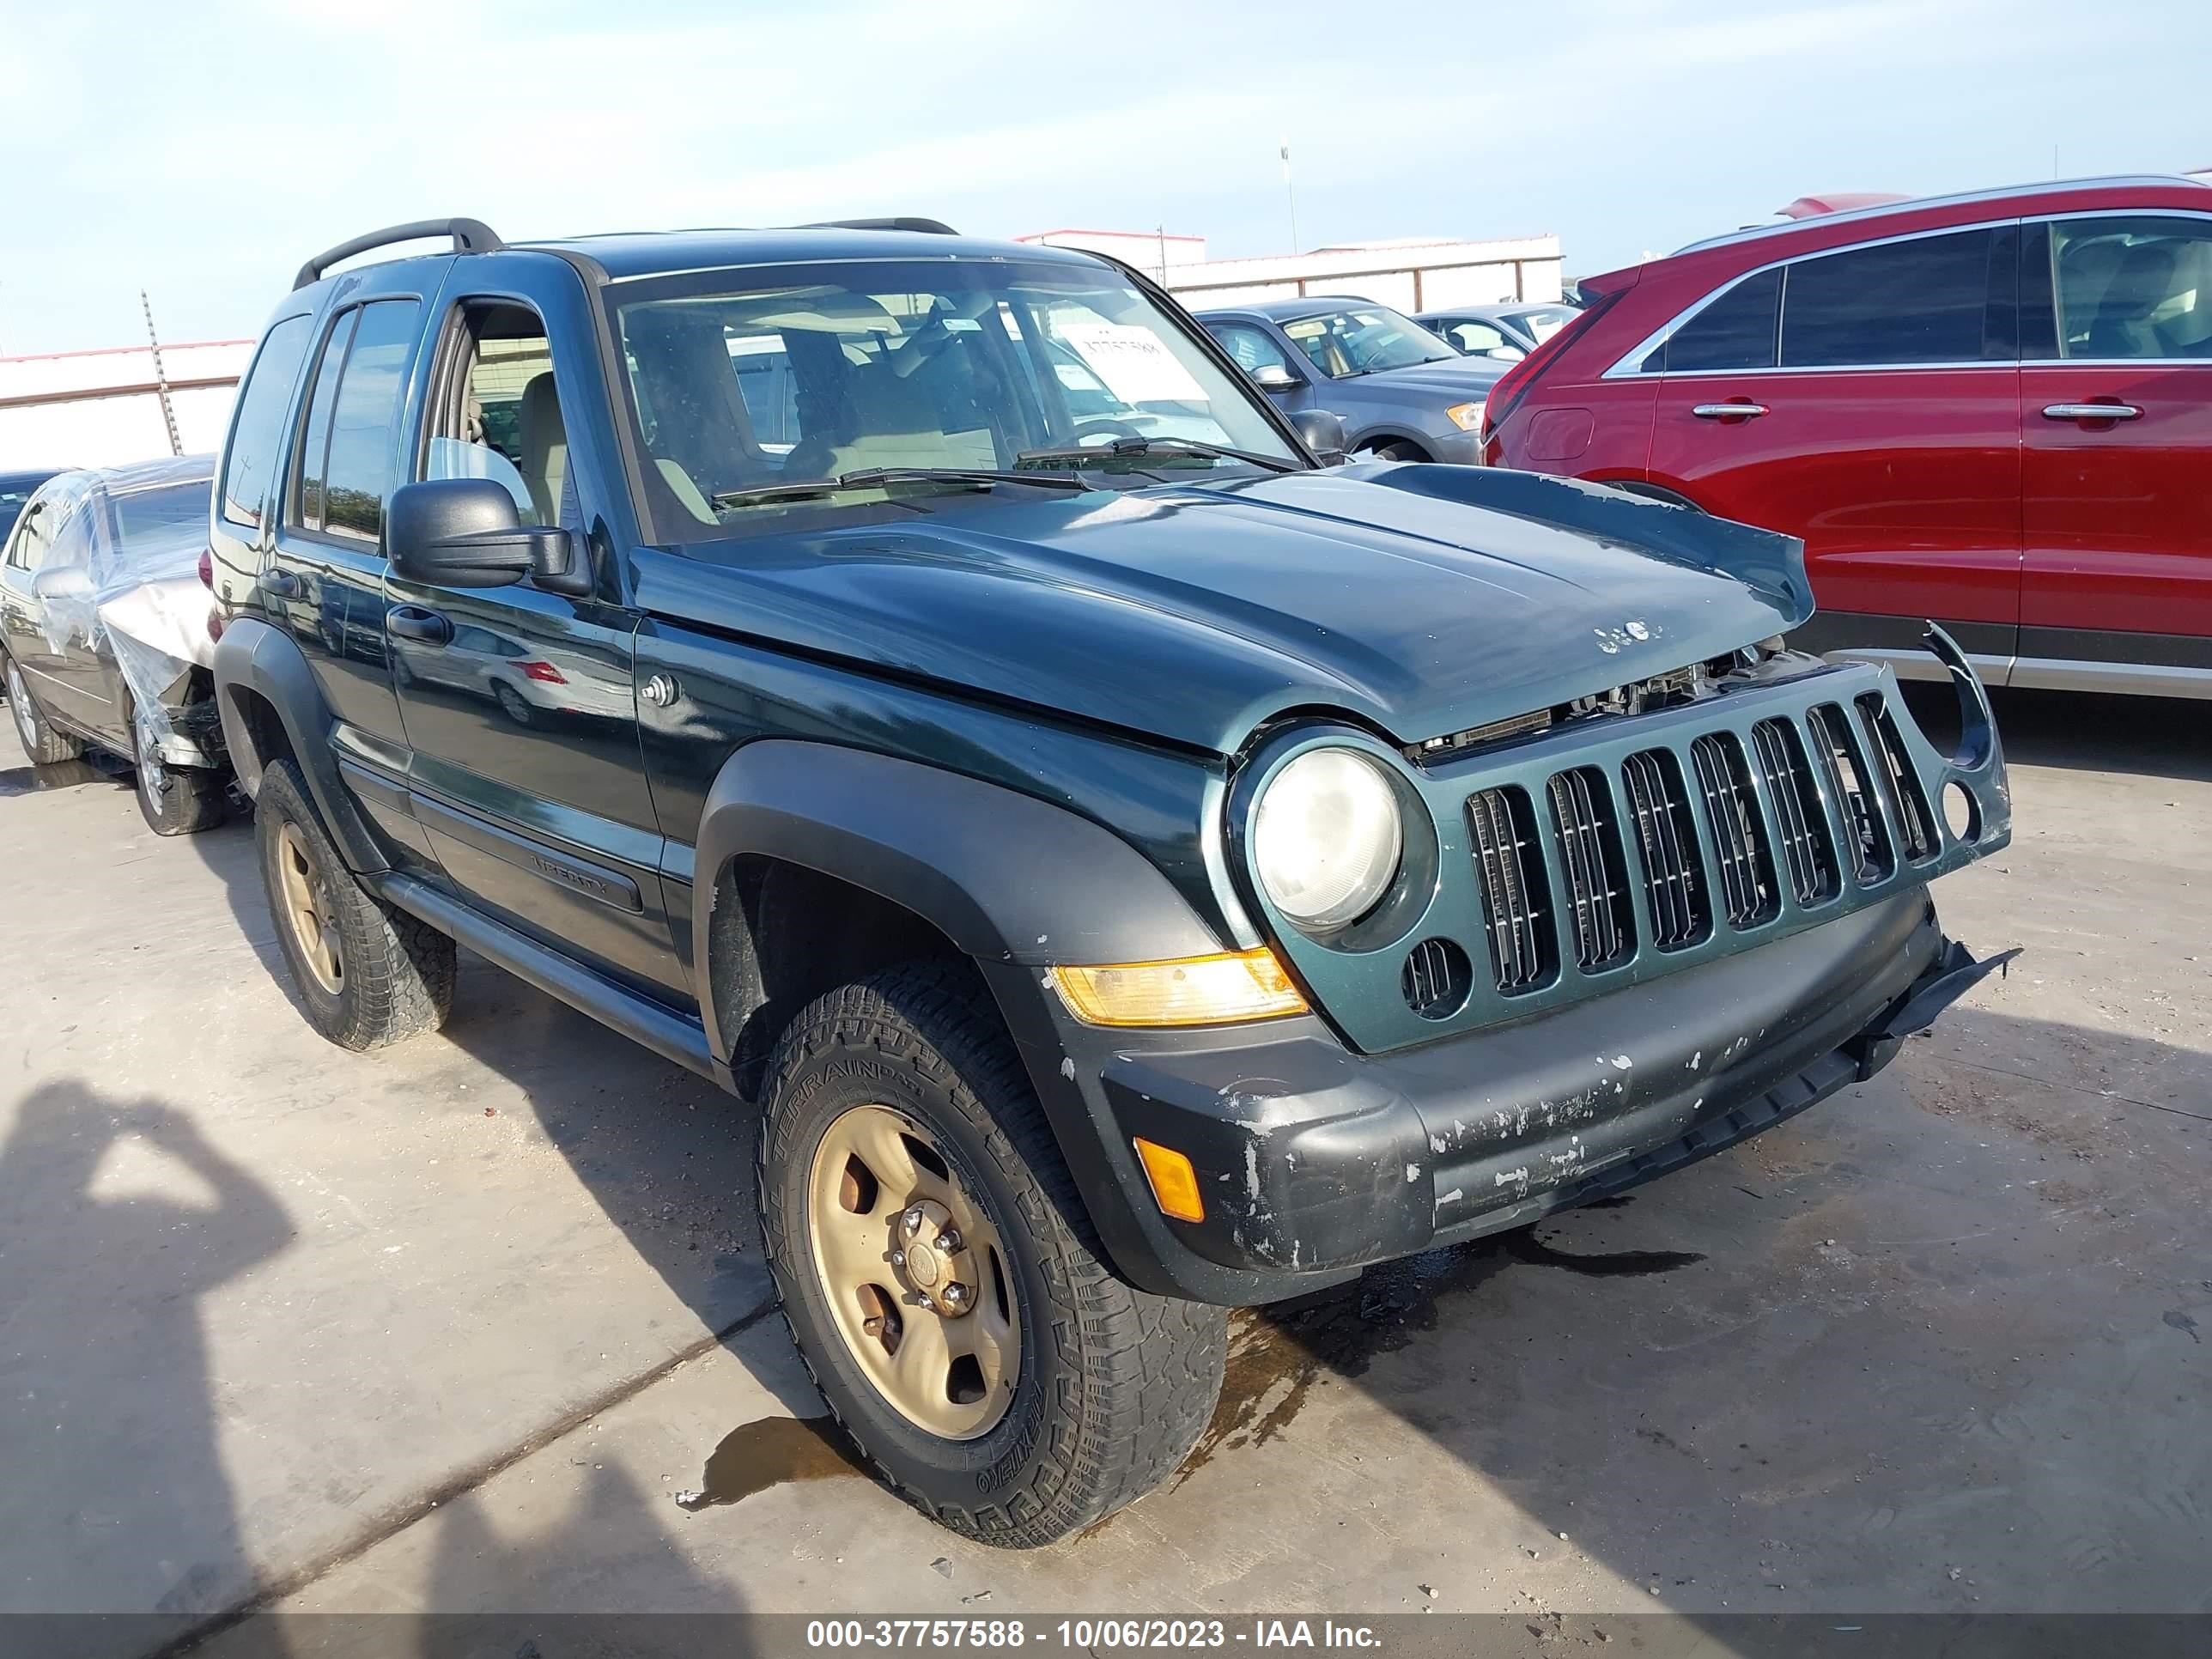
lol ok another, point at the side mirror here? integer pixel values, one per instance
(1324, 432)
(465, 532)
(1506, 353)
(1273, 377)
(61, 581)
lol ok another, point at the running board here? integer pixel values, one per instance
(643, 1021)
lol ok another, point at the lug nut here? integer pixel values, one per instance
(898, 1258)
(948, 1241)
(915, 1217)
(955, 1295)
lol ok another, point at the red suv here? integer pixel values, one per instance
(1992, 409)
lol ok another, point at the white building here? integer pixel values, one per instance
(103, 408)
(1413, 273)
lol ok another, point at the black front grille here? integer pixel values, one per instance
(1522, 954)
(1673, 876)
(1848, 782)
(1589, 852)
(1914, 825)
(1806, 851)
(1746, 868)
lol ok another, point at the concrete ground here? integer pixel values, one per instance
(451, 1327)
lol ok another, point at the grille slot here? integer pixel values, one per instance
(1589, 851)
(1674, 876)
(1522, 953)
(1914, 823)
(1805, 848)
(1746, 868)
(1848, 782)
(1436, 979)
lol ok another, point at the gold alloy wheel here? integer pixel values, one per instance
(305, 912)
(917, 1280)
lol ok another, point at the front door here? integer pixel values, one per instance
(2117, 404)
(1287, 382)
(1866, 400)
(520, 704)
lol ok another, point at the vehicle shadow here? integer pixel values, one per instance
(2149, 737)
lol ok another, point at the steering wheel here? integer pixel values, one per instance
(1104, 428)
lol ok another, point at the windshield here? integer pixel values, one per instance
(1361, 339)
(744, 384)
(1540, 323)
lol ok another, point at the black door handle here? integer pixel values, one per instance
(412, 622)
(280, 585)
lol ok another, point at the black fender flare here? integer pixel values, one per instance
(257, 657)
(1016, 883)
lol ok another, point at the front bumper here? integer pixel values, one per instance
(1316, 1162)
(1459, 447)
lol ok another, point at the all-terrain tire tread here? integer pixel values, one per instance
(399, 970)
(1149, 1367)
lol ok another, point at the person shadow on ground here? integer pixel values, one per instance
(117, 1218)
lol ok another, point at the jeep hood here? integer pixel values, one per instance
(1417, 599)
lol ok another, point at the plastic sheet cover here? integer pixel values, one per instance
(121, 576)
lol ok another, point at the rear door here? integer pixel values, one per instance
(520, 704)
(2116, 402)
(1866, 400)
(324, 580)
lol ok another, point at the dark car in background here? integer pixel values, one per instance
(104, 629)
(1504, 333)
(1992, 409)
(1402, 393)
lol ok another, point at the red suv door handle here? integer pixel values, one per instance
(1736, 411)
(2090, 411)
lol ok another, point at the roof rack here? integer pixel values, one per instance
(926, 227)
(470, 236)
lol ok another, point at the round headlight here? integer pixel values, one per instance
(1327, 838)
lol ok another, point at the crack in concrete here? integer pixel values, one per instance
(399, 1516)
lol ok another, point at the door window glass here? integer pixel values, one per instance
(1925, 300)
(315, 439)
(358, 474)
(2132, 288)
(1736, 331)
(1252, 348)
(1474, 338)
(500, 416)
(256, 434)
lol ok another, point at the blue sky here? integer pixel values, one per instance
(203, 151)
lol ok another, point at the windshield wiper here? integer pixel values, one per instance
(882, 478)
(1136, 448)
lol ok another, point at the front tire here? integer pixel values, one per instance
(368, 975)
(1050, 1392)
(42, 744)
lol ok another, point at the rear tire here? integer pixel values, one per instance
(366, 975)
(173, 800)
(43, 744)
(1114, 1384)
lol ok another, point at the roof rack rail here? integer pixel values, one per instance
(928, 227)
(470, 236)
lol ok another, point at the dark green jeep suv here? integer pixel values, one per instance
(1136, 868)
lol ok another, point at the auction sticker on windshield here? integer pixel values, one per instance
(1134, 362)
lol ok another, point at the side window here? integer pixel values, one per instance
(1252, 348)
(1474, 338)
(315, 439)
(500, 415)
(27, 550)
(1736, 330)
(358, 474)
(2132, 288)
(257, 431)
(1923, 300)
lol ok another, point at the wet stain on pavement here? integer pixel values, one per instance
(771, 1451)
(1278, 1353)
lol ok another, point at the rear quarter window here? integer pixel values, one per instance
(257, 432)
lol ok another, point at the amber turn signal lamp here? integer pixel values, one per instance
(1175, 1183)
(1215, 990)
